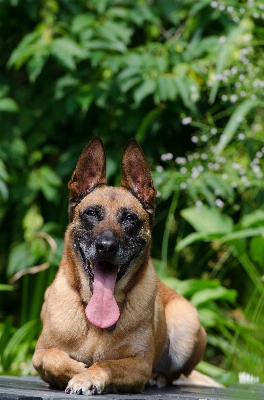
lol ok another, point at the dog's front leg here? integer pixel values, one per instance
(125, 375)
(56, 367)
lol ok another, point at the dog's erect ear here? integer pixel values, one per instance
(89, 172)
(136, 175)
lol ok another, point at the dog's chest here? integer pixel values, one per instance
(101, 345)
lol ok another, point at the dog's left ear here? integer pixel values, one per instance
(136, 175)
(89, 173)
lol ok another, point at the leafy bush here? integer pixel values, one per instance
(186, 80)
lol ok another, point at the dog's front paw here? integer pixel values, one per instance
(86, 384)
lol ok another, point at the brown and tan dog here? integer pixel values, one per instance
(109, 324)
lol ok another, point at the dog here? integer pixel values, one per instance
(109, 324)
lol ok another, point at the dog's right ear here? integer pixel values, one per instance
(136, 176)
(90, 172)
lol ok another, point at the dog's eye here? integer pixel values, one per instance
(130, 218)
(90, 213)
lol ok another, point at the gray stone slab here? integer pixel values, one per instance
(33, 388)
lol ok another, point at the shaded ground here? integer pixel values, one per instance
(32, 388)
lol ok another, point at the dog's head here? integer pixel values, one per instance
(110, 228)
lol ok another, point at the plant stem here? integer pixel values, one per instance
(166, 235)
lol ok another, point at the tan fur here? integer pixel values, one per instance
(158, 335)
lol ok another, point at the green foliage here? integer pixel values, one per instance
(186, 80)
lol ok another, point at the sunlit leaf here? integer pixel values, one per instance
(207, 220)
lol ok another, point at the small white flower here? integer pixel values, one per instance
(247, 37)
(253, 97)
(190, 157)
(242, 10)
(256, 169)
(183, 170)
(234, 184)
(186, 120)
(234, 70)
(230, 9)
(225, 177)
(222, 39)
(194, 139)
(219, 203)
(213, 131)
(195, 173)
(183, 185)
(241, 77)
(158, 194)
(216, 167)
(221, 7)
(243, 94)
(214, 4)
(204, 138)
(198, 203)
(233, 98)
(159, 168)
(166, 157)
(204, 156)
(180, 160)
(259, 154)
(158, 180)
(236, 166)
(241, 136)
(224, 97)
(244, 377)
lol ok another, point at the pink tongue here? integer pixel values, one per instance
(102, 310)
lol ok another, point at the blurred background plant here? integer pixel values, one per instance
(186, 80)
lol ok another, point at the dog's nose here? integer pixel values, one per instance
(106, 244)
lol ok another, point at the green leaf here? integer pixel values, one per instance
(254, 218)
(67, 51)
(35, 66)
(208, 318)
(196, 237)
(223, 57)
(208, 295)
(242, 234)
(235, 120)
(25, 332)
(20, 258)
(81, 22)
(208, 220)
(6, 288)
(8, 105)
(24, 50)
(144, 90)
(256, 250)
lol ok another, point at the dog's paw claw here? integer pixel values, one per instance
(158, 380)
(79, 391)
(94, 390)
(68, 390)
